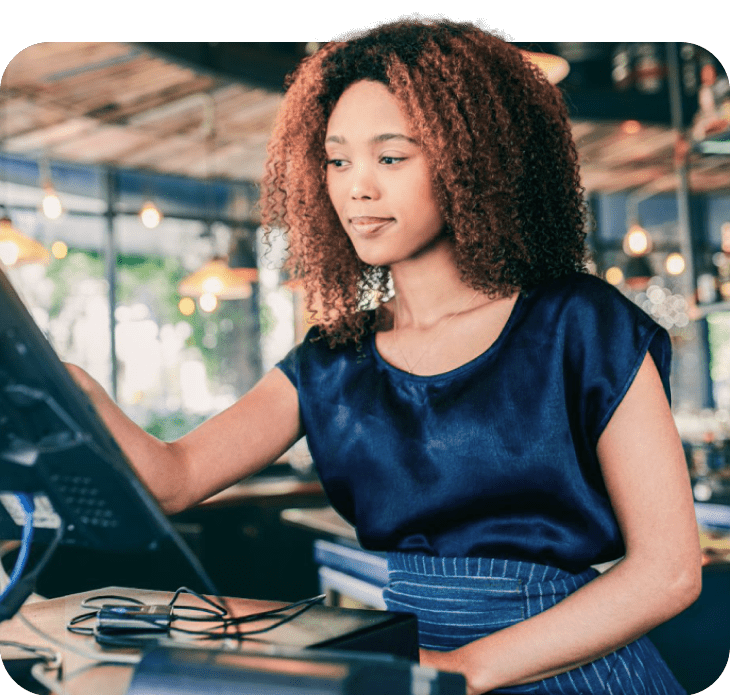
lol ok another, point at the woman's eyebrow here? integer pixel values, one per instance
(384, 137)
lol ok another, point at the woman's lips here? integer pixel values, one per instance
(369, 225)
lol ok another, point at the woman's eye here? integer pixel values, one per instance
(335, 162)
(390, 159)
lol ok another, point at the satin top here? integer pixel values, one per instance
(496, 458)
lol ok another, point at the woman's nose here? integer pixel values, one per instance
(363, 184)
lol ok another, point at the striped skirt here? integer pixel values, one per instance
(458, 600)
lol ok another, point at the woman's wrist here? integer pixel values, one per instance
(452, 662)
(83, 380)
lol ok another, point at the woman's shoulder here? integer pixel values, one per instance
(577, 286)
(582, 292)
(317, 347)
(586, 302)
(317, 362)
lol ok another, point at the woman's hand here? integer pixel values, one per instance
(644, 468)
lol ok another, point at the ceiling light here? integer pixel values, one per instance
(16, 248)
(217, 279)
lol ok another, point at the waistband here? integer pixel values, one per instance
(431, 566)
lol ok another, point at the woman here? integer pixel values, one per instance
(476, 403)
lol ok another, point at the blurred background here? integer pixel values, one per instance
(128, 186)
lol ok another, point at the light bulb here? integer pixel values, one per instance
(59, 249)
(614, 275)
(186, 306)
(208, 302)
(9, 252)
(631, 127)
(150, 215)
(51, 204)
(636, 241)
(212, 285)
(675, 264)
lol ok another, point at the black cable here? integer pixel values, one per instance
(243, 635)
(220, 610)
(220, 618)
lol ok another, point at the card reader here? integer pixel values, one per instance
(131, 619)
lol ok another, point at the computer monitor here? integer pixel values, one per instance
(54, 446)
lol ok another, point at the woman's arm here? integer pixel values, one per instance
(237, 442)
(646, 475)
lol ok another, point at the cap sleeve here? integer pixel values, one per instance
(606, 339)
(289, 364)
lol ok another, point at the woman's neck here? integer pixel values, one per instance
(428, 287)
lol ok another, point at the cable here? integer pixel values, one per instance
(26, 502)
(50, 656)
(221, 610)
(53, 685)
(25, 585)
(52, 661)
(225, 623)
(65, 646)
(194, 563)
(217, 615)
(243, 635)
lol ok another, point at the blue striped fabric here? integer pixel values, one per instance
(458, 600)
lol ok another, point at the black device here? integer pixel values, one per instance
(55, 448)
(166, 671)
(133, 618)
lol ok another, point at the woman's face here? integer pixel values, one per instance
(378, 179)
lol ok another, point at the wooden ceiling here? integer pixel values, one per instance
(129, 106)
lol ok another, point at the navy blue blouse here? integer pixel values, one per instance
(496, 458)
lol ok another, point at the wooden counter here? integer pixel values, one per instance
(319, 626)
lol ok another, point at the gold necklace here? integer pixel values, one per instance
(410, 368)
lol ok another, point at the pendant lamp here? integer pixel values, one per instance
(553, 67)
(638, 272)
(16, 248)
(215, 277)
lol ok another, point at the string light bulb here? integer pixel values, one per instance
(150, 215)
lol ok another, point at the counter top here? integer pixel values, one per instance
(263, 489)
(323, 520)
(85, 670)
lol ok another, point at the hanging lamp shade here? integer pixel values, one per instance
(554, 67)
(215, 277)
(638, 272)
(16, 248)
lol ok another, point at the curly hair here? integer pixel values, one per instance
(498, 142)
